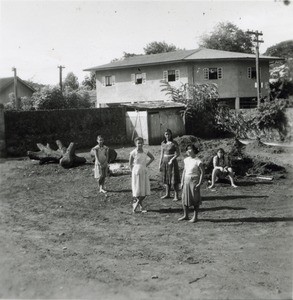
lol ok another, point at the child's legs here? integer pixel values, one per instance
(231, 176)
(215, 173)
(185, 213)
(195, 214)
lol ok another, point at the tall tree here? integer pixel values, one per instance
(89, 82)
(228, 37)
(159, 47)
(283, 49)
(71, 81)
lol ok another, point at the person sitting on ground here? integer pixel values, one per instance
(222, 168)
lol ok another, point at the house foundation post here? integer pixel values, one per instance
(3, 152)
(237, 103)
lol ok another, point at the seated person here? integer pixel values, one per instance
(222, 168)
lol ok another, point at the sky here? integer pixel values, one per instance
(38, 36)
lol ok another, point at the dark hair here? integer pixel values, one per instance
(170, 132)
(99, 136)
(193, 147)
(221, 149)
(137, 139)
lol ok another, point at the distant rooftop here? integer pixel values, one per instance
(178, 56)
(6, 81)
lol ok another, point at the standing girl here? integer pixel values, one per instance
(192, 178)
(101, 163)
(138, 162)
(169, 165)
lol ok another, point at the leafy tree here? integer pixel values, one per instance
(35, 85)
(77, 99)
(228, 37)
(283, 49)
(159, 47)
(281, 72)
(200, 106)
(90, 81)
(71, 81)
(125, 55)
(49, 98)
(25, 103)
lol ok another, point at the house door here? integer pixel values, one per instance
(155, 136)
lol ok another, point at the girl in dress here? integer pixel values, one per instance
(138, 162)
(101, 163)
(169, 165)
(192, 178)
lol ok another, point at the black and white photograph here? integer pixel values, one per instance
(146, 149)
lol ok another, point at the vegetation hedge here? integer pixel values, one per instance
(26, 128)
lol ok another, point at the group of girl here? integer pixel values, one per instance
(189, 183)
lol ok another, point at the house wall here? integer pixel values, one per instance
(125, 91)
(22, 91)
(234, 82)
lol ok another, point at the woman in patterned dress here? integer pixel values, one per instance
(138, 162)
(169, 165)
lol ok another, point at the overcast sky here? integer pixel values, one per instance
(37, 36)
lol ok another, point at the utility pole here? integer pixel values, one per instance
(15, 89)
(60, 76)
(256, 39)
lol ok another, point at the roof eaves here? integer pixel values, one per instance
(134, 65)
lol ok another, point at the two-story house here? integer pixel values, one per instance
(138, 78)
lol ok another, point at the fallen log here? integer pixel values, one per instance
(65, 157)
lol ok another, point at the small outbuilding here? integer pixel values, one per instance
(150, 120)
(7, 87)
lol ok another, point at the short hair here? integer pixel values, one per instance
(221, 149)
(193, 147)
(99, 136)
(137, 139)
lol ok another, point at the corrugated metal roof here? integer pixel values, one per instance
(177, 56)
(153, 105)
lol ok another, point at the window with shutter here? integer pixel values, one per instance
(143, 78)
(104, 81)
(165, 75)
(220, 73)
(251, 72)
(206, 73)
(212, 73)
(138, 78)
(113, 79)
(177, 75)
(133, 78)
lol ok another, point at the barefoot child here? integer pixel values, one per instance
(192, 178)
(222, 168)
(138, 162)
(101, 163)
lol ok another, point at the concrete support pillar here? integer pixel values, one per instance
(2, 133)
(237, 103)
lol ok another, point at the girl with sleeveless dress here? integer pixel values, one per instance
(140, 183)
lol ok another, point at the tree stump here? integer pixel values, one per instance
(65, 157)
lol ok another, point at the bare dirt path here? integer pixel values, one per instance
(61, 239)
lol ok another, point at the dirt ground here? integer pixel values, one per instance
(60, 238)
